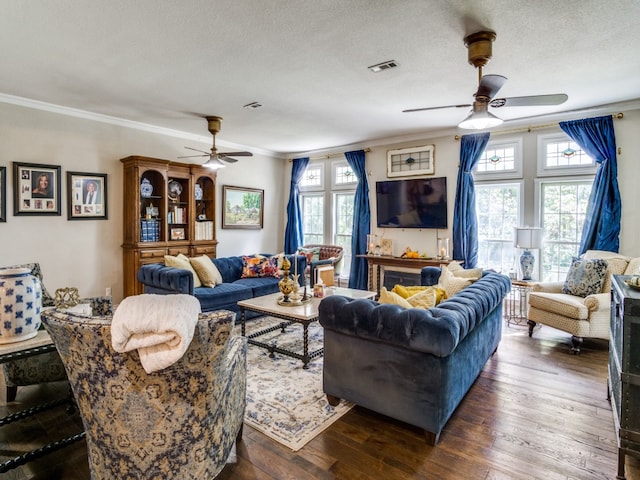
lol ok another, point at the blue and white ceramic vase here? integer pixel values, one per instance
(527, 261)
(20, 305)
(198, 191)
(146, 189)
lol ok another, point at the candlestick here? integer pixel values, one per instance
(295, 267)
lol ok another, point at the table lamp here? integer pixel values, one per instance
(527, 238)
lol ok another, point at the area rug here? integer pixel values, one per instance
(285, 401)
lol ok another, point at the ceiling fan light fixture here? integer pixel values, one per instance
(480, 120)
(213, 163)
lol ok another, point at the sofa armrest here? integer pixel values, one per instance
(598, 301)
(158, 278)
(430, 276)
(548, 287)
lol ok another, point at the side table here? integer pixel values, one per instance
(516, 302)
(37, 345)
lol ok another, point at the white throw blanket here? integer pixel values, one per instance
(160, 327)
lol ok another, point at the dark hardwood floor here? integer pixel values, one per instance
(536, 412)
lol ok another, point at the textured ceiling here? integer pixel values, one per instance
(167, 63)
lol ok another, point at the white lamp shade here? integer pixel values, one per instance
(479, 120)
(527, 237)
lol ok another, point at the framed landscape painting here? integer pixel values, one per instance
(242, 207)
(36, 189)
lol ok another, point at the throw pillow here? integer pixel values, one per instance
(312, 254)
(450, 283)
(206, 270)
(457, 269)
(407, 292)
(182, 262)
(585, 277)
(393, 299)
(424, 299)
(259, 266)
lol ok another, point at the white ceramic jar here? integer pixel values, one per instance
(20, 305)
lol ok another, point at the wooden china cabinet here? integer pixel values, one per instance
(169, 208)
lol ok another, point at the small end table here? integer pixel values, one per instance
(516, 302)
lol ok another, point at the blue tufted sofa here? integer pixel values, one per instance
(160, 279)
(414, 365)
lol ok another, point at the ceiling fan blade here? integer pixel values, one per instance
(530, 101)
(489, 85)
(224, 158)
(237, 154)
(196, 150)
(435, 108)
(192, 156)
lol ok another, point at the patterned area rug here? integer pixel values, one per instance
(284, 401)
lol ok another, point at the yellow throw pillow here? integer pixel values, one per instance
(182, 261)
(393, 299)
(450, 283)
(424, 299)
(406, 292)
(206, 270)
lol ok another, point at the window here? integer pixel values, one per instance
(498, 203)
(563, 206)
(559, 155)
(328, 211)
(500, 160)
(498, 211)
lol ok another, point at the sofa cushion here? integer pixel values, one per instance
(182, 262)
(563, 304)
(585, 277)
(229, 267)
(259, 285)
(634, 267)
(206, 270)
(222, 295)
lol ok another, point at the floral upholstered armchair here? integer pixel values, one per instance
(581, 304)
(175, 423)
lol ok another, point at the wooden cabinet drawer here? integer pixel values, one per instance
(179, 250)
(157, 253)
(208, 250)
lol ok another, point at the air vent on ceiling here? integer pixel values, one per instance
(383, 66)
(252, 105)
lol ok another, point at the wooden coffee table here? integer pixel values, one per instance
(303, 314)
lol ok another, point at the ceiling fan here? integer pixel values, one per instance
(215, 159)
(479, 47)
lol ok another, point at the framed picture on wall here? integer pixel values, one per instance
(242, 207)
(3, 194)
(36, 189)
(86, 196)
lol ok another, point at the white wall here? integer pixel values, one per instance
(447, 155)
(87, 254)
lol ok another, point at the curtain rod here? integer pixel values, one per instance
(616, 116)
(330, 155)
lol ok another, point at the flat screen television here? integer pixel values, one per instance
(415, 203)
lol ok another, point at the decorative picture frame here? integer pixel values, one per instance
(3, 194)
(87, 196)
(36, 189)
(177, 234)
(242, 207)
(406, 162)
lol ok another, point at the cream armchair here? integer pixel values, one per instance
(580, 316)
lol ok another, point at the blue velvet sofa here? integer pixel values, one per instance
(414, 365)
(160, 279)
